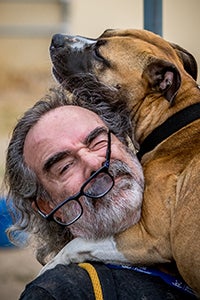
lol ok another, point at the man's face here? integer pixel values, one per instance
(64, 148)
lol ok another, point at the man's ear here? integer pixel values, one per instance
(44, 206)
(163, 77)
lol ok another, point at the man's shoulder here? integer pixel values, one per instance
(72, 282)
(62, 282)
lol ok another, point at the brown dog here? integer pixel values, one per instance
(157, 80)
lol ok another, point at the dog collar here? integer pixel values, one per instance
(170, 126)
(171, 280)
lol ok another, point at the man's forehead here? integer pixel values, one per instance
(69, 119)
(71, 111)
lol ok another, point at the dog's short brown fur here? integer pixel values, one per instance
(158, 79)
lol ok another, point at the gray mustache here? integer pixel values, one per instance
(119, 168)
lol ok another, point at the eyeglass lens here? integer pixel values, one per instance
(72, 210)
(97, 187)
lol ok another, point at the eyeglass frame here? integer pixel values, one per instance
(103, 169)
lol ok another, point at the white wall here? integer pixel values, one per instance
(92, 17)
(181, 19)
(181, 24)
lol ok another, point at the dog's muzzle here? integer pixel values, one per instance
(70, 55)
(76, 43)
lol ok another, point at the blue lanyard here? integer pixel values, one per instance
(173, 281)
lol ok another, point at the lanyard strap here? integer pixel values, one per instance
(173, 281)
(94, 279)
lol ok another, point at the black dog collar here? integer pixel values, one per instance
(170, 126)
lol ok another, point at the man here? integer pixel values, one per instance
(72, 173)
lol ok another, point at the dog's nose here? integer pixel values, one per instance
(58, 41)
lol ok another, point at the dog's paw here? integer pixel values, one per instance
(58, 259)
(80, 250)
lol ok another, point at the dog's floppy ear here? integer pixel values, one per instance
(188, 60)
(163, 77)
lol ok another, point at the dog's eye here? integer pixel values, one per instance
(96, 50)
(97, 54)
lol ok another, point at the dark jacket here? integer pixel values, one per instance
(73, 282)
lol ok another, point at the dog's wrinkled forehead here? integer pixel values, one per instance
(186, 58)
(134, 33)
(139, 41)
(146, 40)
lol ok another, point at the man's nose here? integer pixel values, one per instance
(91, 162)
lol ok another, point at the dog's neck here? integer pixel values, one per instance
(155, 110)
(174, 123)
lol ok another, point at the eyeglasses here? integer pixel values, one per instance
(96, 186)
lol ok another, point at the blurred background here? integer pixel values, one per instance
(26, 27)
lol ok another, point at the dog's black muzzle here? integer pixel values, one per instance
(74, 43)
(71, 55)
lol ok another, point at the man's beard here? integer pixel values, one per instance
(117, 210)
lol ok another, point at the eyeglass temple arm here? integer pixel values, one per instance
(108, 151)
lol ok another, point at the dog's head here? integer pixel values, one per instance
(123, 59)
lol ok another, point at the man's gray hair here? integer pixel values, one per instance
(23, 184)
